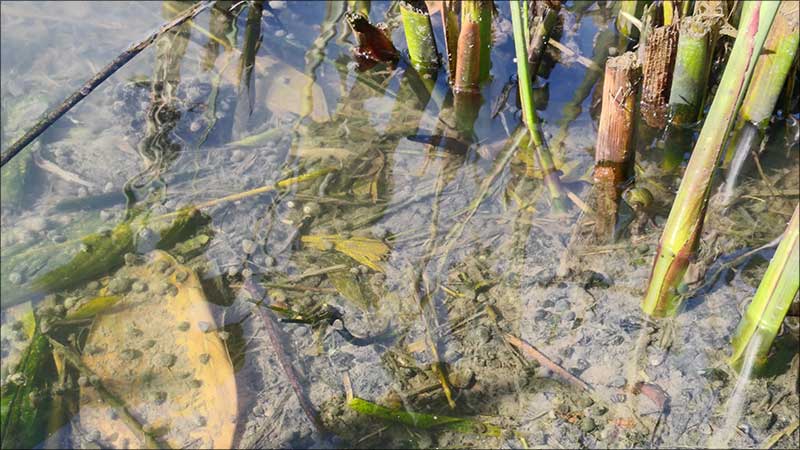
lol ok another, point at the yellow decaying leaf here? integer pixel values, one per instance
(156, 351)
(364, 250)
(321, 153)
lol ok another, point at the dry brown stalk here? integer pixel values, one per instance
(659, 61)
(614, 152)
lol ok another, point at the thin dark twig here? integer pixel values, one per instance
(55, 113)
(285, 362)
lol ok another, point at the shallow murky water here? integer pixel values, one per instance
(153, 224)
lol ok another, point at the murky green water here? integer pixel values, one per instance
(194, 189)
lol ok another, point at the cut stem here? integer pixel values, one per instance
(614, 154)
(419, 36)
(659, 60)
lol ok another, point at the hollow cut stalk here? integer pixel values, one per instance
(615, 136)
(471, 68)
(689, 78)
(682, 231)
(764, 315)
(773, 66)
(479, 13)
(419, 36)
(474, 45)
(692, 66)
(659, 60)
(542, 153)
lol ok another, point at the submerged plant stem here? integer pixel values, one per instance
(542, 153)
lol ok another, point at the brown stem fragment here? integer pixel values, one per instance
(614, 153)
(659, 61)
(531, 352)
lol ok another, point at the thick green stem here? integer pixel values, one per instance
(764, 315)
(419, 37)
(769, 76)
(692, 65)
(686, 98)
(683, 228)
(772, 67)
(542, 153)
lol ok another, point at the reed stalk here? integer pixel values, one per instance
(419, 38)
(659, 60)
(763, 318)
(686, 97)
(681, 235)
(473, 52)
(474, 45)
(542, 153)
(469, 60)
(773, 66)
(771, 72)
(615, 137)
(692, 67)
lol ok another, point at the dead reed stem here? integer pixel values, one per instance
(614, 152)
(659, 61)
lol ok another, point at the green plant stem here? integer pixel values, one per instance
(772, 67)
(542, 154)
(765, 314)
(692, 65)
(422, 420)
(681, 235)
(419, 37)
(689, 78)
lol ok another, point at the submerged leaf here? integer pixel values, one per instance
(157, 352)
(421, 420)
(364, 250)
(24, 400)
(93, 307)
(348, 286)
